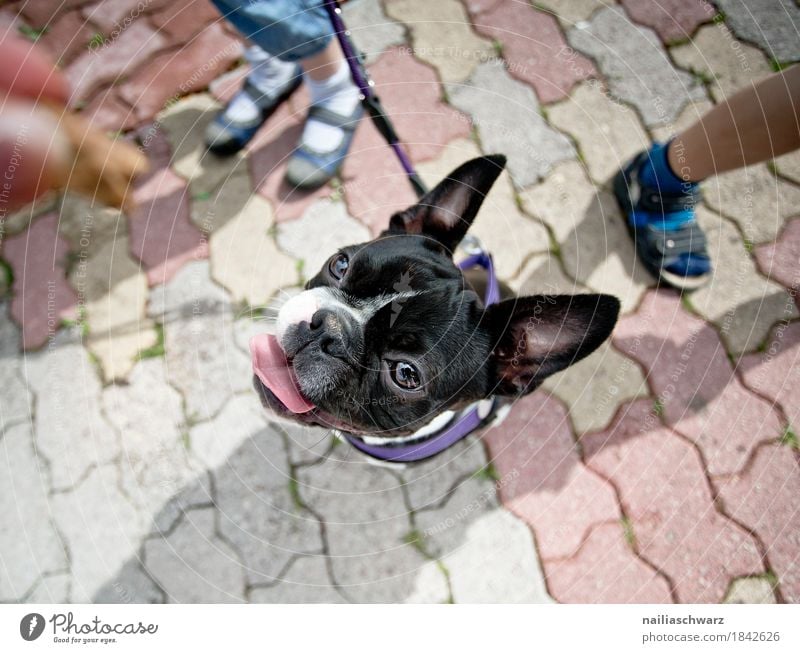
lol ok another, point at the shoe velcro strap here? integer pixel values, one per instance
(687, 239)
(328, 117)
(653, 201)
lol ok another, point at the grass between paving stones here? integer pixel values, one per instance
(32, 33)
(658, 407)
(789, 437)
(627, 530)
(487, 473)
(156, 350)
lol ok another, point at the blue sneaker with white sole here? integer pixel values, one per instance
(659, 212)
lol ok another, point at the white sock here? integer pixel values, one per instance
(337, 93)
(267, 74)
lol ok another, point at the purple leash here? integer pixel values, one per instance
(463, 425)
(369, 99)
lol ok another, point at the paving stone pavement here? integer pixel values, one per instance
(662, 468)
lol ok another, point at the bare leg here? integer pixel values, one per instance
(321, 66)
(755, 124)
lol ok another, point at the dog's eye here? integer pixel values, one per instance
(338, 266)
(404, 375)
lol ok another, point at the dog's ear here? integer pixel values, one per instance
(536, 336)
(446, 212)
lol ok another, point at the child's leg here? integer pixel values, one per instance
(658, 189)
(757, 123)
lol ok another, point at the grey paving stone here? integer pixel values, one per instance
(373, 32)
(738, 299)
(196, 493)
(570, 12)
(323, 228)
(750, 590)
(214, 441)
(15, 397)
(366, 525)
(758, 201)
(202, 359)
(101, 529)
(729, 64)
(500, 225)
(442, 36)
(194, 565)
(519, 131)
(600, 254)
(594, 388)
(608, 135)
(634, 62)
(154, 464)
(307, 444)
(771, 24)
(788, 165)
(497, 563)
(184, 124)
(245, 259)
(130, 585)
(51, 589)
(71, 433)
(29, 543)
(88, 225)
(306, 581)
(430, 585)
(428, 483)
(543, 275)
(442, 530)
(259, 513)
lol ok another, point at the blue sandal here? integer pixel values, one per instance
(673, 251)
(307, 168)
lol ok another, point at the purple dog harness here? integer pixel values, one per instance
(459, 427)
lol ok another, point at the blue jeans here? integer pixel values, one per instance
(287, 29)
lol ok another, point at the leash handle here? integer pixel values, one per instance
(368, 97)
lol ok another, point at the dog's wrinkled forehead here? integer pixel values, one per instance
(389, 272)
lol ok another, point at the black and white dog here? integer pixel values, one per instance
(390, 333)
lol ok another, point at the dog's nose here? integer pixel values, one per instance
(331, 330)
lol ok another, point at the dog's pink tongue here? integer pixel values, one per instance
(270, 365)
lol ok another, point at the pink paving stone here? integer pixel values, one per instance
(67, 37)
(155, 145)
(375, 185)
(542, 478)
(115, 59)
(115, 15)
(534, 48)
(605, 570)
(107, 112)
(162, 236)
(42, 296)
(781, 260)
(691, 375)
(178, 72)
(41, 13)
(269, 152)
(672, 19)
(665, 493)
(182, 19)
(764, 498)
(776, 372)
